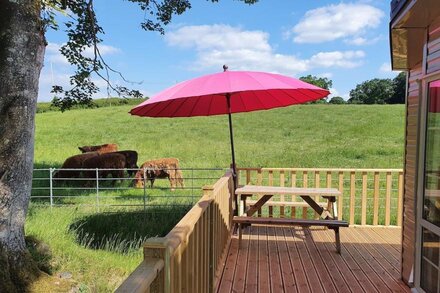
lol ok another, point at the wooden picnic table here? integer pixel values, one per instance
(328, 216)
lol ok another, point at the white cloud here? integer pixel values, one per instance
(335, 93)
(326, 75)
(360, 41)
(333, 22)
(347, 59)
(217, 36)
(216, 45)
(103, 50)
(385, 70)
(54, 55)
(385, 67)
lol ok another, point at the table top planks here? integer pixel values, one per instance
(278, 190)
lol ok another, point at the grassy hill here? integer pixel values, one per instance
(299, 136)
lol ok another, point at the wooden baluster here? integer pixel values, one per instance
(270, 182)
(248, 176)
(317, 185)
(399, 200)
(293, 209)
(282, 196)
(329, 185)
(376, 198)
(305, 177)
(364, 198)
(388, 199)
(341, 198)
(259, 182)
(196, 261)
(352, 196)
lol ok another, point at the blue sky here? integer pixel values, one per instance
(346, 41)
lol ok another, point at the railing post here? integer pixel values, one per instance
(157, 248)
(97, 189)
(51, 186)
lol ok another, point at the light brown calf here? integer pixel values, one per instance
(160, 168)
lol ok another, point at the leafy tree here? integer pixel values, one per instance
(337, 100)
(322, 82)
(374, 91)
(399, 88)
(23, 24)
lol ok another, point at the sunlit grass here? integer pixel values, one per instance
(100, 250)
(298, 136)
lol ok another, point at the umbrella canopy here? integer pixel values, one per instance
(249, 91)
(226, 93)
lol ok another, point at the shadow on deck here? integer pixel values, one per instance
(294, 259)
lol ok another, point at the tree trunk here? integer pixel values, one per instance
(22, 48)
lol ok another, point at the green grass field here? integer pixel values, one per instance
(299, 136)
(350, 136)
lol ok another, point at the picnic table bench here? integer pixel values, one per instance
(328, 216)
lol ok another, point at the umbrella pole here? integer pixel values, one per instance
(231, 134)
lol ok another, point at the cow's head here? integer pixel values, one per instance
(139, 179)
(86, 149)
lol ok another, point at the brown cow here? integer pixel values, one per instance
(104, 148)
(111, 163)
(160, 168)
(74, 162)
(131, 160)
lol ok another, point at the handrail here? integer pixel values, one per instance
(192, 251)
(142, 278)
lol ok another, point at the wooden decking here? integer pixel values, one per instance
(294, 259)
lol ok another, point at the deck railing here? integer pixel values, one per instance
(370, 196)
(187, 258)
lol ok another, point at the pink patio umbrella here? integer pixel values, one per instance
(229, 92)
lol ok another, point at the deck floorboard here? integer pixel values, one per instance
(296, 259)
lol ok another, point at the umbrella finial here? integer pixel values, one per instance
(225, 68)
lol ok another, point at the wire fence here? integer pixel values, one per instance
(107, 189)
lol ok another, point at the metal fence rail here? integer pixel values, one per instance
(63, 187)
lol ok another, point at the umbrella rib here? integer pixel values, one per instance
(291, 96)
(178, 107)
(167, 106)
(306, 93)
(164, 108)
(242, 102)
(195, 104)
(263, 106)
(143, 111)
(210, 105)
(270, 93)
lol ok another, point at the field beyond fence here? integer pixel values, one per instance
(110, 194)
(370, 196)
